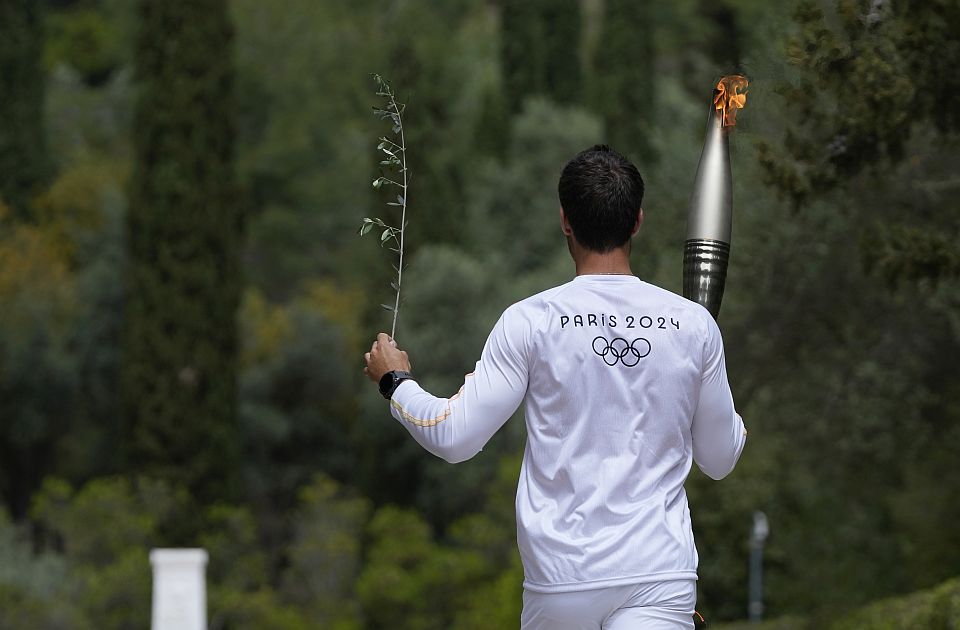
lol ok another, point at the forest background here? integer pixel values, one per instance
(184, 301)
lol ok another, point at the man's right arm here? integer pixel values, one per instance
(456, 428)
(718, 431)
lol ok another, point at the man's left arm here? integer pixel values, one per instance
(456, 428)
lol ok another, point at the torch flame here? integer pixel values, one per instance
(728, 97)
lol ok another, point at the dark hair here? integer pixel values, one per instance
(600, 193)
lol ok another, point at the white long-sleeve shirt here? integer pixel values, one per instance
(623, 385)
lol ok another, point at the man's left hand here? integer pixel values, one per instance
(385, 356)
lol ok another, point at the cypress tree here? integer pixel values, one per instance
(23, 159)
(623, 82)
(540, 50)
(179, 366)
(493, 124)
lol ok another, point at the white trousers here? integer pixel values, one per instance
(655, 606)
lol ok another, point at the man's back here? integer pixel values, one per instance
(615, 369)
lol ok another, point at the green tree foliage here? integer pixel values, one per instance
(231, 539)
(32, 586)
(179, 370)
(518, 194)
(306, 146)
(105, 531)
(624, 86)
(295, 404)
(540, 50)
(252, 611)
(469, 579)
(60, 285)
(429, 73)
(89, 200)
(39, 373)
(89, 39)
(408, 576)
(495, 600)
(867, 76)
(299, 149)
(19, 610)
(937, 608)
(238, 576)
(871, 77)
(324, 555)
(23, 156)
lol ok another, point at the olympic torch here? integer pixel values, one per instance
(709, 219)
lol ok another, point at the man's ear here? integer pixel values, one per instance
(565, 224)
(636, 226)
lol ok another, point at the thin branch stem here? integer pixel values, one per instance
(403, 214)
(397, 158)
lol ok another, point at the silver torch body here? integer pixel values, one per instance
(709, 219)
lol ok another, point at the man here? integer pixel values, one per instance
(623, 385)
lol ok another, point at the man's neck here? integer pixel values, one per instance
(607, 263)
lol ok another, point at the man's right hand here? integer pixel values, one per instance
(385, 356)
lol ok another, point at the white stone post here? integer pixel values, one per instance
(179, 589)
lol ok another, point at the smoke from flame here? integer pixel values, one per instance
(730, 96)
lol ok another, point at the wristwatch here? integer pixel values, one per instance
(391, 380)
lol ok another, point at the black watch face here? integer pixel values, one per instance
(386, 383)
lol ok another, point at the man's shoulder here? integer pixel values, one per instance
(536, 302)
(678, 303)
(527, 312)
(674, 300)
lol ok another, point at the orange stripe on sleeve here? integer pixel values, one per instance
(429, 422)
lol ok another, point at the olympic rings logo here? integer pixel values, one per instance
(619, 350)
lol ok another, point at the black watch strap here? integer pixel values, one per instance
(391, 380)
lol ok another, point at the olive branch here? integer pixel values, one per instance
(394, 161)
